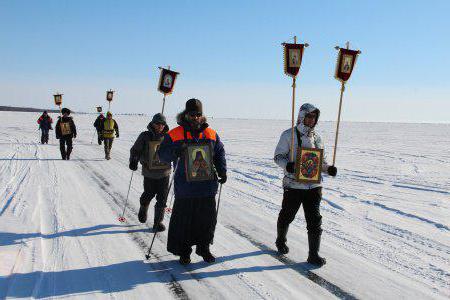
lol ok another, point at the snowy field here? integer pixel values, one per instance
(386, 218)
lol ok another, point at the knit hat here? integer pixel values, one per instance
(65, 111)
(159, 119)
(193, 105)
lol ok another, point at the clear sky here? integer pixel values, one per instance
(229, 55)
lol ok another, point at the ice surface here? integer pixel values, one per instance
(386, 217)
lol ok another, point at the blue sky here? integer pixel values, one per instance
(229, 55)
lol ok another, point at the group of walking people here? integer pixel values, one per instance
(65, 130)
(194, 215)
(196, 154)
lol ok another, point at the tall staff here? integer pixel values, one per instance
(344, 67)
(166, 83)
(109, 98)
(293, 54)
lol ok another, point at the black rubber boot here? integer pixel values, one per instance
(281, 240)
(142, 215)
(204, 252)
(185, 259)
(158, 218)
(314, 246)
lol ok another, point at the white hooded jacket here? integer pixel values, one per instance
(310, 139)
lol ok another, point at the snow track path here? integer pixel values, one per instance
(386, 230)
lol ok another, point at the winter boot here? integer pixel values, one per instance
(68, 153)
(314, 246)
(158, 218)
(142, 215)
(281, 240)
(185, 259)
(204, 252)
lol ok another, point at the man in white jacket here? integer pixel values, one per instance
(296, 193)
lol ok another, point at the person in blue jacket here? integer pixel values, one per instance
(194, 218)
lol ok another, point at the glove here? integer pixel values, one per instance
(222, 178)
(332, 171)
(290, 167)
(74, 136)
(133, 165)
(117, 135)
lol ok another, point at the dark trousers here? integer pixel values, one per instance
(63, 141)
(292, 199)
(44, 136)
(155, 187)
(108, 145)
(99, 137)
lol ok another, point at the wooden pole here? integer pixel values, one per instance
(338, 122)
(164, 103)
(293, 119)
(293, 113)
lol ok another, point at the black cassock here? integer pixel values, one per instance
(193, 222)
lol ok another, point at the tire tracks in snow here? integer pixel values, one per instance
(322, 282)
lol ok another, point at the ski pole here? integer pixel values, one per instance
(218, 205)
(169, 208)
(92, 138)
(122, 218)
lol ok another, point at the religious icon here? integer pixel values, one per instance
(308, 165)
(294, 58)
(199, 162)
(109, 95)
(167, 82)
(58, 99)
(154, 162)
(65, 128)
(347, 63)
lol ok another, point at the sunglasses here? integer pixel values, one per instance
(195, 114)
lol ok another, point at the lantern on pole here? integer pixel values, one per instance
(292, 56)
(345, 63)
(109, 98)
(58, 100)
(166, 83)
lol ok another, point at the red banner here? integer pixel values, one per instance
(167, 81)
(345, 62)
(293, 54)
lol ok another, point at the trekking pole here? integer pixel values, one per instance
(218, 205)
(169, 208)
(92, 137)
(122, 218)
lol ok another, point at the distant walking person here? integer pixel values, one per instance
(295, 193)
(65, 131)
(45, 124)
(200, 154)
(156, 174)
(98, 126)
(109, 128)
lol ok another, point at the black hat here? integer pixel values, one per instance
(194, 105)
(159, 119)
(65, 111)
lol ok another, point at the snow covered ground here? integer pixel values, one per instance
(386, 218)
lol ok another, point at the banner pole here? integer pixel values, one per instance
(293, 116)
(164, 102)
(338, 122)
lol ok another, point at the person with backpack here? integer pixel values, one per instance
(98, 127)
(45, 124)
(296, 193)
(65, 130)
